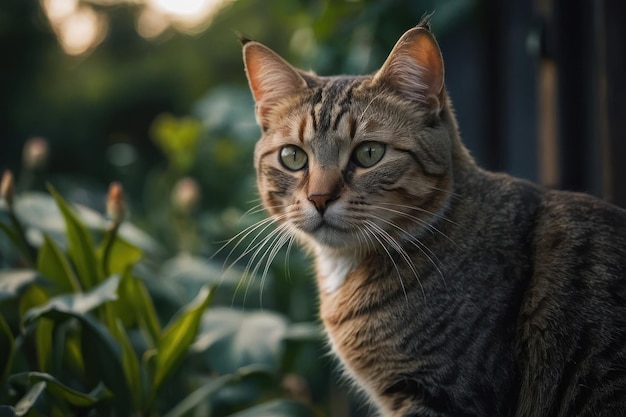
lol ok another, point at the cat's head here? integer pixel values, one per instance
(354, 162)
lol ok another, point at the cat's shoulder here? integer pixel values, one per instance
(560, 205)
(583, 226)
(583, 209)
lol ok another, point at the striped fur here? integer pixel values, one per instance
(445, 290)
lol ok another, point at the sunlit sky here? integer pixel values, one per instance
(80, 28)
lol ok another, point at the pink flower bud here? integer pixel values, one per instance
(186, 195)
(35, 153)
(7, 188)
(116, 207)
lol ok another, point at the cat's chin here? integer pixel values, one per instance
(332, 237)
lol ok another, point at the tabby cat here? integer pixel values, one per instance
(445, 290)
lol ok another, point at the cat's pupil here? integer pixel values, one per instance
(292, 157)
(369, 154)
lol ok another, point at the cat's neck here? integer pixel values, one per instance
(333, 266)
(463, 163)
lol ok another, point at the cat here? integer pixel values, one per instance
(444, 289)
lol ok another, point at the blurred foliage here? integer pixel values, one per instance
(144, 319)
(80, 332)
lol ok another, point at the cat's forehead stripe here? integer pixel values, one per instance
(331, 102)
(301, 128)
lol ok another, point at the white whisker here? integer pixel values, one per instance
(241, 236)
(419, 221)
(375, 233)
(266, 243)
(417, 244)
(422, 210)
(368, 105)
(403, 254)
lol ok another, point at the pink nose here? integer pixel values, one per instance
(321, 201)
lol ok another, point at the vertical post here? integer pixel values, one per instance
(495, 114)
(575, 58)
(548, 147)
(613, 83)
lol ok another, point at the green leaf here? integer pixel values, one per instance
(130, 364)
(12, 283)
(103, 361)
(54, 265)
(7, 347)
(44, 343)
(200, 395)
(60, 390)
(178, 336)
(135, 305)
(101, 355)
(177, 138)
(34, 296)
(39, 211)
(12, 235)
(121, 256)
(80, 243)
(15, 232)
(67, 348)
(76, 303)
(27, 402)
(233, 339)
(277, 408)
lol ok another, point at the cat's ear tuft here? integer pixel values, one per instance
(414, 68)
(243, 39)
(271, 78)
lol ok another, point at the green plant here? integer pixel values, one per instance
(80, 333)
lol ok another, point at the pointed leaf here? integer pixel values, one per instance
(135, 305)
(103, 361)
(101, 355)
(12, 283)
(7, 346)
(80, 243)
(34, 296)
(60, 390)
(43, 343)
(130, 364)
(67, 349)
(77, 303)
(54, 265)
(121, 254)
(177, 337)
(27, 402)
(148, 320)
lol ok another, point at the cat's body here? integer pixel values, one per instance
(445, 290)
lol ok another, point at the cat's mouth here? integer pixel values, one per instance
(325, 225)
(330, 233)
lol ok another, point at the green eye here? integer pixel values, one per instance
(293, 158)
(368, 154)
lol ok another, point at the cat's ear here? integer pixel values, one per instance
(414, 68)
(271, 78)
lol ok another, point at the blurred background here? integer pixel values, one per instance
(152, 94)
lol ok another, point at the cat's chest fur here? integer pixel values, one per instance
(333, 268)
(362, 330)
